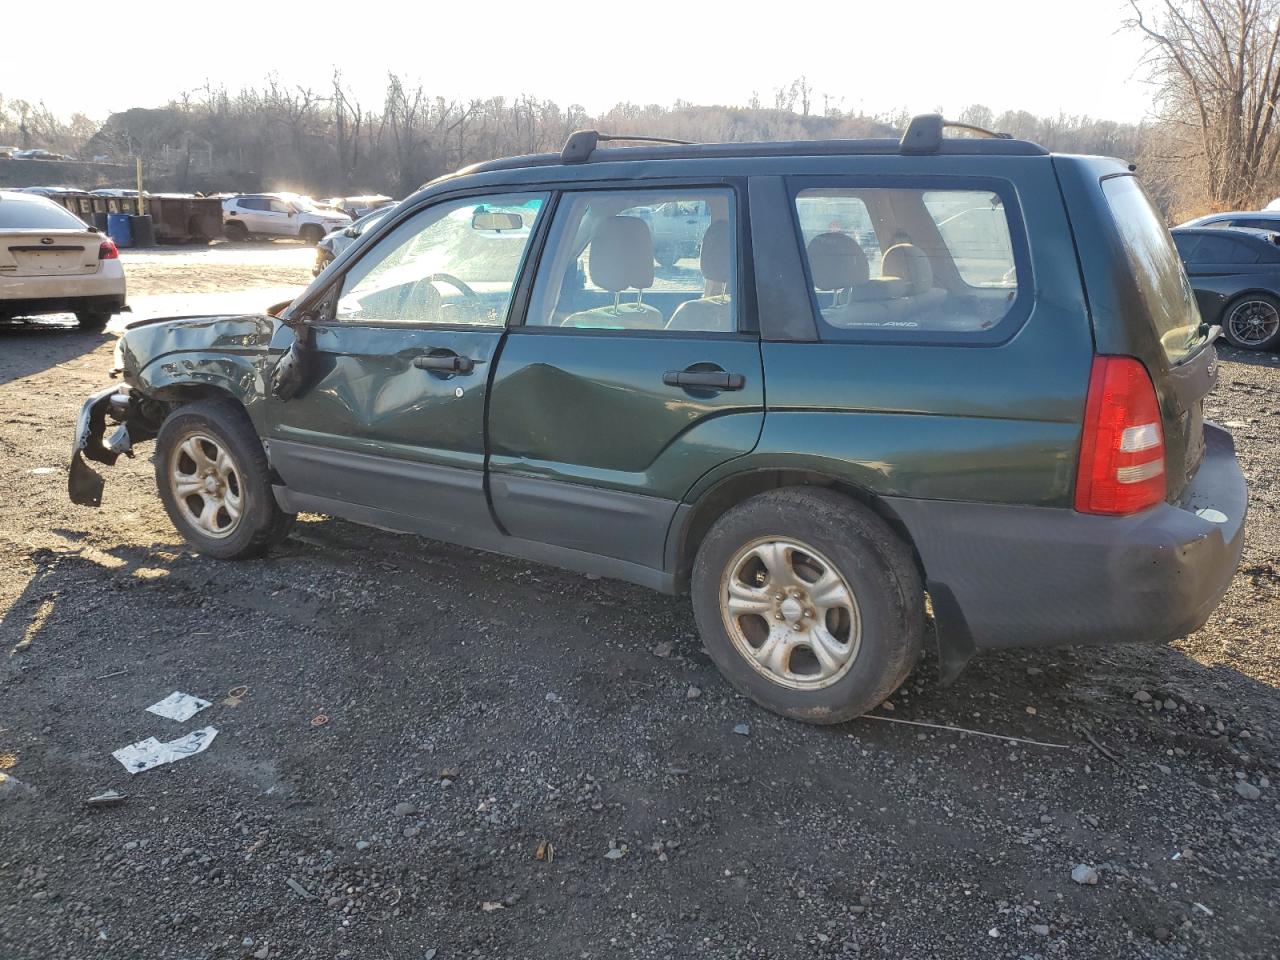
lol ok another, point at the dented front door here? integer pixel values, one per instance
(392, 416)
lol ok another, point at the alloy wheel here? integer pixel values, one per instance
(206, 485)
(790, 613)
(1254, 321)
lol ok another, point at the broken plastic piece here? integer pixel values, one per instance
(108, 798)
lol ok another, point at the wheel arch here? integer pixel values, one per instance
(694, 520)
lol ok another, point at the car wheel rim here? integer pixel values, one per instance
(790, 613)
(1254, 321)
(206, 485)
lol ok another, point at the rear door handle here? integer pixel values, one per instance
(705, 379)
(449, 363)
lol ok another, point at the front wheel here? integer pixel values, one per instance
(311, 235)
(215, 483)
(1253, 322)
(809, 604)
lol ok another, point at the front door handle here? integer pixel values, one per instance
(704, 379)
(448, 363)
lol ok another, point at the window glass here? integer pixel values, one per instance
(279, 206)
(453, 263)
(1186, 244)
(975, 232)
(1156, 269)
(1216, 249)
(640, 260)
(37, 215)
(903, 259)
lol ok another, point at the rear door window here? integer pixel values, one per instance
(629, 260)
(889, 261)
(1157, 271)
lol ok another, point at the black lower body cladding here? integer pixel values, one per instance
(1035, 576)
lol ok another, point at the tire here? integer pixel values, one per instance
(210, 426)
(311, 234)
(665, 256)
(92, 319)
(236, 231)
(880, 630)
(1252, 322)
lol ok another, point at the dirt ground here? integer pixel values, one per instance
(509, 770)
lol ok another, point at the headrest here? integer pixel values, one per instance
(908, 262)
(621, 255)
(837, 262)
(715, 252)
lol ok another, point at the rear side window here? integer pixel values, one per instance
(36, 215)
(1157, 271)
(1225, 249)
(892, 261)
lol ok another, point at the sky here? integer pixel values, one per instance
(875, 56)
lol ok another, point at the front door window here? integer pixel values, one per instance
(455, 263)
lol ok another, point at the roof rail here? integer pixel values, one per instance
(924, 133)
(582, 143)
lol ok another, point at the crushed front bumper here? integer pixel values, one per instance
(84, 485)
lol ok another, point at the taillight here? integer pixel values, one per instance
(107, 251)
(1122, 446)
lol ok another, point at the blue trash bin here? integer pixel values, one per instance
(119, 229)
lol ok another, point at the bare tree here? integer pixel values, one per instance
(1218, 66)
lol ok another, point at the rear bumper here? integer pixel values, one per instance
(1034, 576)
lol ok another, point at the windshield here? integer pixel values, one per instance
(1157, 269)
(36, 215)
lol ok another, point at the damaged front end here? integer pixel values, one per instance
(135, 417)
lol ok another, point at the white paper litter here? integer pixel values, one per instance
(178, 706)
(150, 752)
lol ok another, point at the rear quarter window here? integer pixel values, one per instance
(932, 264)
(1156, 269)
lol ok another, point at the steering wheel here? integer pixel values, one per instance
(453, 281)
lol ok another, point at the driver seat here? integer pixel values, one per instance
(621, 259)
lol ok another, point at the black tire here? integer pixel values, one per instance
(262, 524)
(92, 319)
(1262, 303)
(236, 231)
(665, 256)
(875, 564)
(311, 234)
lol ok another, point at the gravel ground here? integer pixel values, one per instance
(519, 761)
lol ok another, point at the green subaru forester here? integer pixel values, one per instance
(953, 367)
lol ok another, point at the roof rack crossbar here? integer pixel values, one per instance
(582, 143)
(924, 133)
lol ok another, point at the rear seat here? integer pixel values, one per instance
(902, 292)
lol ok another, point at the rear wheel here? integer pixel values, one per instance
(236, 231)
(215, 483)
(92, 319)
(809, 604)
(1253, 322)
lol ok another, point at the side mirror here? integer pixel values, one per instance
(497, 221)
(351, 232)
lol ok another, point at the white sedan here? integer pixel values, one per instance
(50, 262)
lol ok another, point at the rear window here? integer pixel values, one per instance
(36, 215)
(1157, 271)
